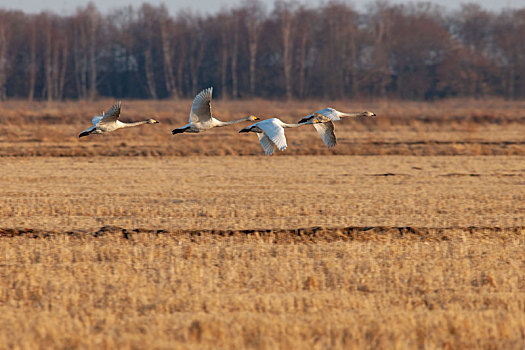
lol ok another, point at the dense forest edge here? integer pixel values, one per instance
(418, 51)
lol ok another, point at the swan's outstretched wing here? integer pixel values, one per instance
(274, 132)
(111, 115)
(329, 113)
(323, 115)
(201, 107)
(326, 131)
(266, 144)
(86, 132)
(96, 119)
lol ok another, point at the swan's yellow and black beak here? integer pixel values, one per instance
(156, 121)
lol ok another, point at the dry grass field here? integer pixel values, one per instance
(410, 234)
(453, 127)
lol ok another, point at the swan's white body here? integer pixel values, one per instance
(271, 133)
(201, 118)
(109, 122)
(325, 126)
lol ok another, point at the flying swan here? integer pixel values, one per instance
(325, 126)
(109, 122)
(271, 132)
(200, 115)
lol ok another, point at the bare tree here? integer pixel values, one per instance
(5, 37)
(92, 24)
(224, 27)
(254, 15)
(32, 34)
(196, 35)
(473, 27)
(414, 51)
(48, 57)
(509, 45)
(306, 20)
(284, 13)
(165, 28)
(149, 19)
(234, 53)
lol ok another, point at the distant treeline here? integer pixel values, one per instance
(416, 51)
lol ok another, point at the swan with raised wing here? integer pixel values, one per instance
(325, 126)
(271, 133)
(201, 118)
(109, 122)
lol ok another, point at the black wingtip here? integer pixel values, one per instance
(82, 134)
(176, 131)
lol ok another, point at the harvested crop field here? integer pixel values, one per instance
(203, 193)
(258, 252)
(409, 234)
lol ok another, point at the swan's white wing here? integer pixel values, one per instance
(266, 144)
(326, 131)
(111, 115)
(323, 115)
(201, 107)
(89, 129)
(96, 119)
(274, 132)
(329, 113)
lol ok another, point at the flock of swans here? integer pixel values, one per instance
(269, 131)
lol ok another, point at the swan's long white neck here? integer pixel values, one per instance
(285, 125)
(221, 123)
(343, 115)
(128, 125)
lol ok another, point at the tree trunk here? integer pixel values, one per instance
(168, 66)
(48, 62)
(287, 54)
(234, 56)
(32, 63)
(80, 61)
(93, 24)
(5, 40)
(55, 73)
(63, 69)
(195, 62)
(302, 63)
(224, 59)
(352, 66)
(148, 66)
(254, 29)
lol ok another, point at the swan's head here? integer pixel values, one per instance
(253, 118)
(153, 121)
(368, 114)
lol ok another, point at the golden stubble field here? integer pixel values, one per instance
(118, 252)
(259, 192)
(141, 240)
